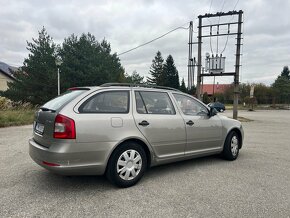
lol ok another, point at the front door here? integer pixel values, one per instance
(204, 133)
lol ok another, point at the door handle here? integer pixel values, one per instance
(144, 123)
(190, 123)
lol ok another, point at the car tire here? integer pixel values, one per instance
(126, 165)
(231, 146)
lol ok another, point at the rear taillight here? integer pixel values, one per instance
(64, 127)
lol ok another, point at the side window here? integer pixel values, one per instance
(189, 106)
(107, 102)
(153, 103)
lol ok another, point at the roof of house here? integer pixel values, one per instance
(214, 88)
(7, 69)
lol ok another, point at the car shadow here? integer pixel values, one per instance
(46, 180)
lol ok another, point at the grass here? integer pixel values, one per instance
(258, 107)
(16, 117)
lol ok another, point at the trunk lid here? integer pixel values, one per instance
(43, 127)
(44, 119)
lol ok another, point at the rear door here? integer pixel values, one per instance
(159, 122)
(204, 133)
(104, 118)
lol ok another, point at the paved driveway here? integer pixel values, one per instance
(256, 185)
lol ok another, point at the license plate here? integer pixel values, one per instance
(39, 128)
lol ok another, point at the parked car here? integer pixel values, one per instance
(218, 106)
(121, 131)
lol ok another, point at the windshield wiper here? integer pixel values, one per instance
(47, 109)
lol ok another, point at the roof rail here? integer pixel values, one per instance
(138, 85)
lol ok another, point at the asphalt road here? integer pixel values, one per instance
(255, 185)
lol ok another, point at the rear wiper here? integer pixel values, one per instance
(47, 109)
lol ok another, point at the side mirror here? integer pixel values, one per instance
(212, 112)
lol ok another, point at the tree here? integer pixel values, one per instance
(205, 98)
(122, 78)
(135, 78)
(191, 91)
(263, 94)
(281, 86)
(86, 62)
(170, 76)
(156, 70)
(286, 73)
(244, 91)
(36, 81)
(229, 94)
(183, 87)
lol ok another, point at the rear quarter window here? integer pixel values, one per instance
(63, 99)
(107, 102)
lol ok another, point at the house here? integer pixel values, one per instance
(211, 89)
(6, 75)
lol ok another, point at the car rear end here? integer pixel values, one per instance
(54, 144)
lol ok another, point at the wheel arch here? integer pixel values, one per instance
(144, 145)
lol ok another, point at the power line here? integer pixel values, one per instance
(210, 27)
(223, 4)
(236, 4)
(159, 37)
(211, 24)
(217, 37)
(229, 27)
(210, 6)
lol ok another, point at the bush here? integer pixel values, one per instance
(6, 104)
(16, 117)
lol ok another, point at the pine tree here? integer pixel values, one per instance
(135, 78)
(286, 73)
(281, 86)
(86, 62)
(156, 70)
(36, 81)
(170, 76)
(182, 86)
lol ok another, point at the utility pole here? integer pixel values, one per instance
(199, 57)
(190, 66)
(213, 87)
(201, 90)
(237, 68)
(58, 82)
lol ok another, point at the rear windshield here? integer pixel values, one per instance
(63, 99)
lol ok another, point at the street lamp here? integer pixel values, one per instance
(58, 62)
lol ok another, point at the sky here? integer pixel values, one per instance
(127, 24)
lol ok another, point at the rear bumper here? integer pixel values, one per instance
(71, 162)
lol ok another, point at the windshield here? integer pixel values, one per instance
(62, 100)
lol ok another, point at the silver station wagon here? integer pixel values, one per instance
(122, 129)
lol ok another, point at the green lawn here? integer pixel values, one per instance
(16, 117)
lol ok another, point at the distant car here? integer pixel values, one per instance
(218, 106)
(121, 130)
